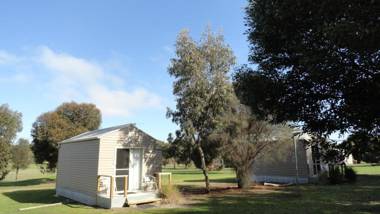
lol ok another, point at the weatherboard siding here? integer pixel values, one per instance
(107, 153)
(129, 137)
(77, 167)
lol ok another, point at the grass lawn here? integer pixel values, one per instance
(33, 188)
(367, 169)
(194, 176)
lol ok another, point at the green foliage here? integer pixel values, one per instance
(4, 159)
(330, 152)
(244, 137)
(84, 115)
(349, 174)
(317, 63)
(10, 124)
(363, 147)
(201, 87)
(179, 149)
(68, 120)
(22, 155)
(335, 175)
(323, 178)
(338, 174)
(212, 150)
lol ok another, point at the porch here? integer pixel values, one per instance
(109, 194)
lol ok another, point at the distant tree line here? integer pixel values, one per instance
(67, 120)
(10, 124)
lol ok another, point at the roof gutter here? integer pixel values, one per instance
(78, 140)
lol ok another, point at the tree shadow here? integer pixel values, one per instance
(28, 182)
(215, 180)
(360, 197)
(41, 196)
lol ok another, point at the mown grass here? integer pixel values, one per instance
(361, 197)
(367, 169)
(195, 176)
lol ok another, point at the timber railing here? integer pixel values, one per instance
(159, 179)
(103, 186)
(112, 184)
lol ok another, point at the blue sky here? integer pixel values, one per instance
(111, 53)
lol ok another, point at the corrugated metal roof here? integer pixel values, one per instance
(96, 134)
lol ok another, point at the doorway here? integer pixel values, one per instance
(128, 162)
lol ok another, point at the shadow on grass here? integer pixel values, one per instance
(41, 196)
(360, 197)
(28, 182)
(198, 171)
(220, 180)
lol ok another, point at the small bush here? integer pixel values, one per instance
(171, 194)
(349, 174)
(335, 175)
(323, 178)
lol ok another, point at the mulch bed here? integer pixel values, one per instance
(191, 190)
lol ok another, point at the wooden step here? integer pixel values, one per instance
(142, 198)
(143, 201)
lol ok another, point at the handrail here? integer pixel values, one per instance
(113, 184)
(125, 185)
(111, 181)
(111, 188)
(159, 178)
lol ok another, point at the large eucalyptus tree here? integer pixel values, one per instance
(202, 89)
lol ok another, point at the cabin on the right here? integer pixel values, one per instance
(294, 162)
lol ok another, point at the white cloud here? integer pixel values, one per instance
(6, 57)
(64, 77)
(70, 67)
(77, 78)
(15, 78)
(118, 102)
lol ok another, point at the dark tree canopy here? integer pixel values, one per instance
(212, 151)
(81, 115)
(363, 147)
(68, 120)
(318, 62)
(10, 124)
(179, 148)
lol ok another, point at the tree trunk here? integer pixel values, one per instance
(243, 178)
(17, 173)
(204, 167)
(174, 163)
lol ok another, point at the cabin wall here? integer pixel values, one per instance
(107, 154)
(278, 164)
(133, 137)
(130, 137)
(77, 171)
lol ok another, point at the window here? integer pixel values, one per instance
(119, 183)
(122, 159)
(122, 167)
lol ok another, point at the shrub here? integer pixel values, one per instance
(323, 178)
(335, 175)
(171, 194)
(349, 174)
